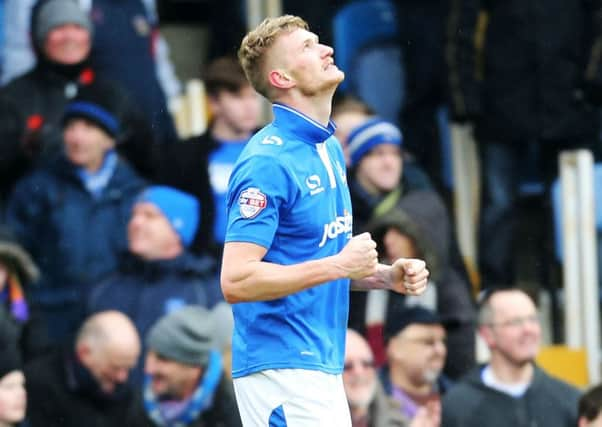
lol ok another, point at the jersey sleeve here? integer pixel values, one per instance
(260, 190)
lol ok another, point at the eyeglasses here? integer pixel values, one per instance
(517, 322)
(429, 341)
(366, 364)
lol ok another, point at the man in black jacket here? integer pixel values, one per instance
(202, 165)
(85, 385)
(31, 106)
(540, 80)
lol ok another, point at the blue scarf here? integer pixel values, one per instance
(201, 400)
(97, 181)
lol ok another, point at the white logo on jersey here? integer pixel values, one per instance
(314, 184)
(251, 202)
(272, 140)
(341, 224)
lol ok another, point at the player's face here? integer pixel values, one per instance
(359, 376)
(381, 168)
(238, 111)
(515, 332)
(308, 62)
(12, 398)
(86, 144)
(420, 351)
(170, 378)
(149, 231)
(67, 44)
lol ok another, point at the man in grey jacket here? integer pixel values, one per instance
(510, 390)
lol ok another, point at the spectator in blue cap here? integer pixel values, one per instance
(181, 210)
(159, 274)
(71, 212)
(371, 134)
(385, 194)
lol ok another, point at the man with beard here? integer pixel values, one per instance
(289, 253)
(510, 390)
(368, 403)
(85, 385)
(416, 352)
(185, 382)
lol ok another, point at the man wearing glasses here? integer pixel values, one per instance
(416, 353)
(510, 390)
(368, 403)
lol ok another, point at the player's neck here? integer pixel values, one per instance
(317, 107)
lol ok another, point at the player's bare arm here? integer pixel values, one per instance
(246, 277)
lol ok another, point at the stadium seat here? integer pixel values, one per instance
(564, 363)
(366, 47)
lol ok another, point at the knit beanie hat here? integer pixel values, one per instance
(368, 135)
(184, 335)
(400, 319)
(54, 13)
(181, 209)
(98, 105)
(12, 251)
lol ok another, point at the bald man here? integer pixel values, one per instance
(87, 383)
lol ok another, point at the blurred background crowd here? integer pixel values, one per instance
(121, 121)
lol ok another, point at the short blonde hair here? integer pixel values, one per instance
(257, 42)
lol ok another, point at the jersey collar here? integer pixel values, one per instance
(302, 126)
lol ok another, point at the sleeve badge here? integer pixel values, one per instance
(251, 202)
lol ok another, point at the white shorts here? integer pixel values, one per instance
(292, 398)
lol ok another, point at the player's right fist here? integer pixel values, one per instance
(359, 257)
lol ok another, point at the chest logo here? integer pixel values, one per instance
(314, 184)
(272, 140)
(251, 202)
(342, 224)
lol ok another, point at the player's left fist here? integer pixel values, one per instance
(410, 276)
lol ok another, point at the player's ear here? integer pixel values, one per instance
(280, 79)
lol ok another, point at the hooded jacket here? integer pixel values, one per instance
(422, 216)
(29, 335)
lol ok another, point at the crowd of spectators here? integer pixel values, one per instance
(111, 228)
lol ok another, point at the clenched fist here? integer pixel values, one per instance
(359, 258)
(409, 276)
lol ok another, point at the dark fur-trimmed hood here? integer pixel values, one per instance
(17, 256)
(420, 215)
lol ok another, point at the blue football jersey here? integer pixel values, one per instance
(288, 193)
